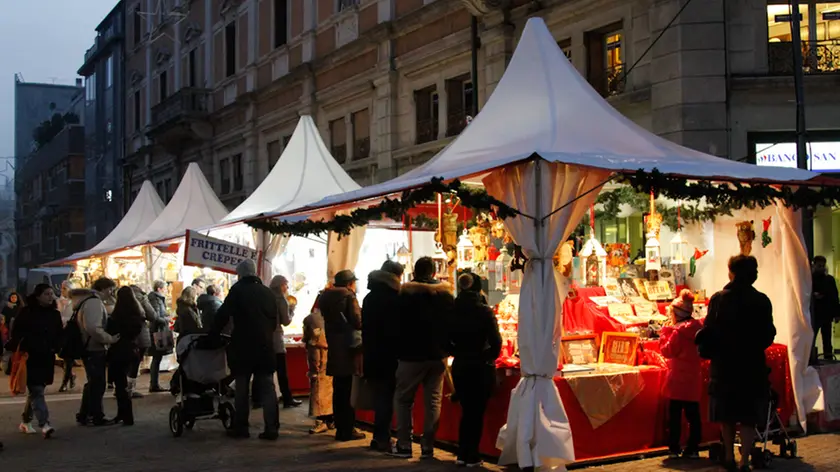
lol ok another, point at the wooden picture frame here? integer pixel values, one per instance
(579, 349)
(618, 348)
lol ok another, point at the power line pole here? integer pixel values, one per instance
(801, 138)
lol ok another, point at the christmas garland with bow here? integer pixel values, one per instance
(391, 208)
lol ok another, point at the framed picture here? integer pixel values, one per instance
(612, 288)
(659, 290)
(618, 348)
(579, 349)
(628, 288)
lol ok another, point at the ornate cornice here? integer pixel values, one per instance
(191, 32)
(483, 7)
(135, 77)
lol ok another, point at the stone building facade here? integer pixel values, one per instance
(222, 82)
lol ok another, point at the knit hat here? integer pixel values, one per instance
(683, 305)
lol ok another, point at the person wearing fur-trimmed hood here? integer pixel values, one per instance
(425, 305)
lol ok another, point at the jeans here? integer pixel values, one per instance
(474, 386)
(262, 382)
(134, 366)
(692, 414)
(383, 403)
(154, 371)
(36, 404)
(345, 415)
(283, 378)
(94, 390)
(118, 372)
(410, 375)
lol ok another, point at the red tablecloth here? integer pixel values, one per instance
(296, 368)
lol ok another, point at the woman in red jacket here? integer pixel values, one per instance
(683, 381)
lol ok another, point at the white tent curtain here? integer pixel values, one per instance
(344, 253)
(538, 432)
(271, 245)
(783, 275)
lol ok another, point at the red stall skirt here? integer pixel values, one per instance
(297, 369)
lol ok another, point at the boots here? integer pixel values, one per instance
(68, 384)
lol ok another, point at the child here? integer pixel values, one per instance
(683, 380)
(320, 394)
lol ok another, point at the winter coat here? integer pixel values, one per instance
(158, 303)
(208, 306)
(737, 330)
(253, 309)
(474, 332)
(10, 313)
(315, 340)
(285, 313)
(342, 316)
(129, 326)
(188, 321)
(379, 325)
(144, 340)
(92, 318)
(37, 331)
(424, 310)
(827, 307)
(683, 380)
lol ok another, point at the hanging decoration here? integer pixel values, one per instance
(653, 253)
(466, 252)
(765, 233)
(698, 254)
(746, 236)
(391, 208)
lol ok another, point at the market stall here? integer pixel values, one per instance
(542, 173)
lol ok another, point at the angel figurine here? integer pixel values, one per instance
(746, 236)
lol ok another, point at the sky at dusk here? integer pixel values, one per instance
(44, 41)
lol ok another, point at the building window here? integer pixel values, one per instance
(167, 189)
(230, 49)
(361, 134)
(163, 85)
(191, 68)
(137, 124)
(224, 173)
(237, 173)
(426, 114)
(342, 5)
(338, 140)
(605, 61)
(90, 88)
(819, 32)
(566, 46)
(459, 104)
(159, 188)
(109, 72)
(274, 152)
(280, 22)
(138, 26)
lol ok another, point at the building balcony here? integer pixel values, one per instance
(181, 119)
(818, 57)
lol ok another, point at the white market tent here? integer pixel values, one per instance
(145, 209)
(194, 205)
(565, 141)
(305, 173)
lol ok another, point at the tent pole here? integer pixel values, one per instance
(801, 140)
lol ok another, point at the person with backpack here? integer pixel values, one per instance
(89, 339)
(37, 332)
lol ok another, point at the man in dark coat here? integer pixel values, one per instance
(425, 306)
(208, 305)
(379, 326)
(253, 309)
(342, 324)
(735, 334)
(157, 300)
(825, 306)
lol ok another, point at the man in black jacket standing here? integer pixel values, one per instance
(424, 308)
(251, 352)
(379, 326)
(825, 306)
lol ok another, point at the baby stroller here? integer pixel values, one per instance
(196, 385)
(771, 431)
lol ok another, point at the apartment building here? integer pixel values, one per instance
(104, 110)
(222, 82)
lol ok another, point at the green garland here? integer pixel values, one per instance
(391, 208)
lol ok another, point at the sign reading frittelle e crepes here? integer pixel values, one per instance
(224, 256)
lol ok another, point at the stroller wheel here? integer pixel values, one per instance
(176, 421)
(226, 413)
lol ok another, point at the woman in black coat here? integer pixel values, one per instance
(737, 331)
(37, 332)
(476, 344)
(127, 321)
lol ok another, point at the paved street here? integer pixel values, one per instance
(149, 446)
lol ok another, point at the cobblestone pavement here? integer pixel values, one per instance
(148, 446)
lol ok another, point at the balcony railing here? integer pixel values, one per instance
(361, 148)
(427, 130)
(345, 4)
(339, 152)
(186, 103)
(818, 57)
(608, 81)
(455, 123)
